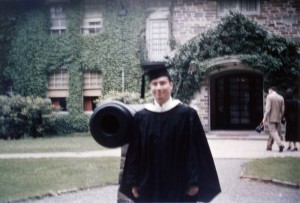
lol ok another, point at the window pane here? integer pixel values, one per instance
(158, 41)
(58, 23)
(92, 79)
(244, 6)
(55, 22)
(92, 21)
(248, 5)
(60, 103)
(62, 22)
(228, 5)
(56, 12)
(58, 19)
(59, 79)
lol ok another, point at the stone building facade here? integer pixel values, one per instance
(191, 17)
(169, 24)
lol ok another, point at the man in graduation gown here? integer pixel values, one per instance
(168, 159)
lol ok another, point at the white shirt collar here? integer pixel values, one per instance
(155, 107)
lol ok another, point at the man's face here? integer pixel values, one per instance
(161, 89)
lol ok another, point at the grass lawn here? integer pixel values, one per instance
(22, 178)
(279, 168)
(78, 142)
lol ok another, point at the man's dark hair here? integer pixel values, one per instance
(272, 88)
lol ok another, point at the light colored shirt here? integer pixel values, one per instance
(168, 105)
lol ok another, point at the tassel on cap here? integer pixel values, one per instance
(143, 86)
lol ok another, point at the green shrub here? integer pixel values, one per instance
(22, 116)
(67, 123)
(4, 115)
(125, 97)
(79, 122)
(35, 117)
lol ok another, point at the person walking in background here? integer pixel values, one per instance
(292, 120)
(270, 138)
(273, 115)
(168, 159)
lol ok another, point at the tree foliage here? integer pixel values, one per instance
(125, 97)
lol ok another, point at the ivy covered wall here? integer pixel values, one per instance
(32, 53)
(7, 25)
(27, 57)
(117, 47)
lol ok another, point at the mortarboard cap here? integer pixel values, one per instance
(153, 70)
(156, 73)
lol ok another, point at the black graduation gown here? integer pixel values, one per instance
(167, 153)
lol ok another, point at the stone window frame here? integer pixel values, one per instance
(237, 5)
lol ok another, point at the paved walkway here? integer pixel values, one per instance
(230, 154)
(100, 153)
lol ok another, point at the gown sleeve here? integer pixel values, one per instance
(132, 162)
(207, 178)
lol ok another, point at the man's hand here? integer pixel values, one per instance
(192, 191)
(135, 192)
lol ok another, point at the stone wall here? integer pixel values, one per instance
(192, 17)
(201, 104)
(281, 17)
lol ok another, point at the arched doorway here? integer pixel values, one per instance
(236, 100)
